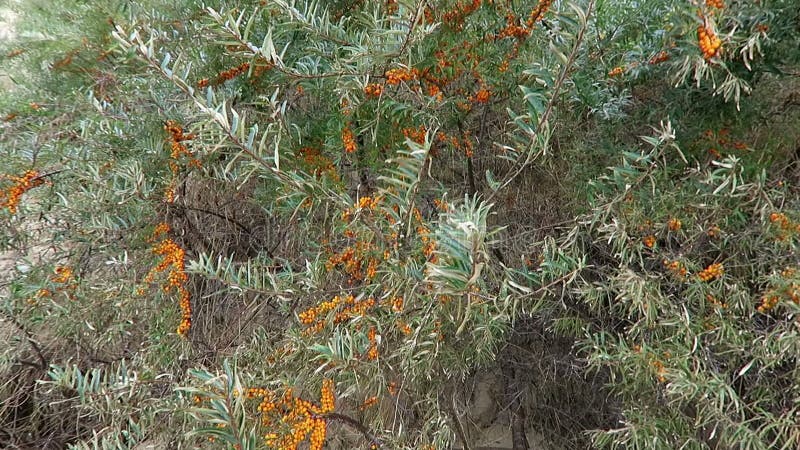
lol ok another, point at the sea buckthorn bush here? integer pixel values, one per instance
(703, 317)
(323, 224)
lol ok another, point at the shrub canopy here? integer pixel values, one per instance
(326, 224)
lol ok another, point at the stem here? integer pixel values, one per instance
(215, 214)
(518, 439)
(459, 428)
(356, 425)
(550, 105)
(28, 337)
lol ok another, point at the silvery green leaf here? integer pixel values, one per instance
(561, 56)
(165, 61)
(491, 181)
(234, 121)
(252, 135)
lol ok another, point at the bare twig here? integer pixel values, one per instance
(517, 410)
(215, 214)
(374, 442)
(459, 427)
(32, 342)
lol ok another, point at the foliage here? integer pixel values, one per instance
(251, 224)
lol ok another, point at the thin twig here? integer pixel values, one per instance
(411, 26)
(215, 214)
(375, 443)
(48, 174)
(29, 337)
(550, 105)
(459, 428)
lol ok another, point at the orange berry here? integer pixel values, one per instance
(616, 71)
(373, 90)
(348, 139)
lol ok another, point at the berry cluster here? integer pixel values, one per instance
(367, 202)
(364, 203)
(63, 274)
(65, 282)
(454, 18)
(399, 75)
(482, 96)
(659, 57)
(327, 397)
(710, 43)
(174, 263)
(416, 134)
(345, 308)
(404, 327)
(721, 140)
(372, 352)
(538, 12)
(520, 33)
(373, 90)
(369, 402)
(786, 226)
(676, 268)
(65, 61)
(716, 302)
(464, 144)
(354, 260)
(232, 73)
(397, 304)
(349, 140)
(176, 139)
(435, 91)
(428, 244)
(295, 420)
(441, 205)
(660, 370)
(768, 302)
(788, 288)
(616, 71)
(711, 272)
(10, 198)
(513, 29)
(674, 224)
(178, 149)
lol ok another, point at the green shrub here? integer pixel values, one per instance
(269, 224)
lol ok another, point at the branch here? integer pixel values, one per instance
(278, 65)
(29, 337)
(411, 26)
(48, 174)
(459, 428)
(375, 443)
(551, 104)
(215, 214)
